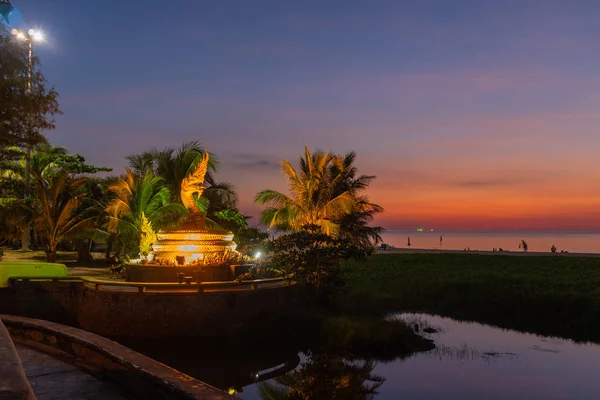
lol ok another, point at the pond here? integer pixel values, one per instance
(470, 361)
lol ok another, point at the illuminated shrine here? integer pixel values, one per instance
(192, 243)
(191, 252)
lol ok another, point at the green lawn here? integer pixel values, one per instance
(38, 255)
(547, 294)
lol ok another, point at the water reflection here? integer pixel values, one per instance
(322, 376)
(219, 366)
(470, 361)
(475, 361)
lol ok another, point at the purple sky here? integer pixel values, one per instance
(473, 114)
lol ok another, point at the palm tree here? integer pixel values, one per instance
(354, 226)
(317, 195)
(140, 201)
(141, 163)
(325, 377)
(59, 197)
(15, 210)
(176, 164)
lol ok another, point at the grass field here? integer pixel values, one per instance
(546, 294)
(38, 255)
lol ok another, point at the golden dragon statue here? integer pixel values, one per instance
(194, 184)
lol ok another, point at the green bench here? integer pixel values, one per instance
(29, 269)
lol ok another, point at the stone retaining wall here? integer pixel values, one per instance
(143, 315)
(155, 273)
(136, 373)
(13, 382)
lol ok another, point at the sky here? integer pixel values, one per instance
(472, 114)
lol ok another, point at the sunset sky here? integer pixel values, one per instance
(472, 114)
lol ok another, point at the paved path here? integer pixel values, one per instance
(52, 379)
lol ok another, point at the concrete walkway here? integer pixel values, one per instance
(52, 379)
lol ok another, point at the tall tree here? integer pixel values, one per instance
(314, 198)
(27, 105)
(24, 113)
(326, 190)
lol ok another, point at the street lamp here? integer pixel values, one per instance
(30, 37)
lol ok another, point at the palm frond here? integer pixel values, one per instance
(324, 190)
(169, 212)
(273, 197)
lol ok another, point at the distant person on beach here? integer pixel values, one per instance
(408, 242)
(441, 240)
(553, 249)
(524, 246)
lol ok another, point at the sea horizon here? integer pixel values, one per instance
(592, 232)
(537, 241)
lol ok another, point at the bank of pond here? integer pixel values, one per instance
(549, 295)
(469, 361)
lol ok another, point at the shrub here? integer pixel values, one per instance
(314, 258)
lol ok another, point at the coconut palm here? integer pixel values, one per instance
(325, 377)
(354, 226)
(56, 216)
(317, 196)
(140, 201)
(176, 164)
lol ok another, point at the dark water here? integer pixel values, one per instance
(470, 361)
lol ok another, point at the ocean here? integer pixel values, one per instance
(573, 242)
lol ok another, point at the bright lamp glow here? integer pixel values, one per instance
(257, 255)
(21, 36)
(14, 31)
(31, 32)
(37, 36)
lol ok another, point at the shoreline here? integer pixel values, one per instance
(402, 250)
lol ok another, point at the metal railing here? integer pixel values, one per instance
(103, 285)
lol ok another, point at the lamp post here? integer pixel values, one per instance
(29, 37)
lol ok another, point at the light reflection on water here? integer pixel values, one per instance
(475, 361)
